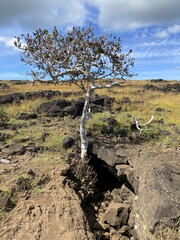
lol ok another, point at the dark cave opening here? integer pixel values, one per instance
(106, 179)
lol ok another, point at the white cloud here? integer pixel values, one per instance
(114, 15)
(122, 15)
(168, 31)
(174, 29)
(149, 50)
(162, 34)
(157, 53)
(34, 14)
(8, 42)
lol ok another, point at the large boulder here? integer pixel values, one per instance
(152, 174)
(158, 192)
(13, 97)
(106, 154)
(102, 100)
(42, 94)
(164, 88)
(68, 142)
(17, 97)
(54, 108)
(26, 116)
(74, 108)
(101, 103)
(78, 105)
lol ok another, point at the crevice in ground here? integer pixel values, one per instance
(106, 176)
(97, 205)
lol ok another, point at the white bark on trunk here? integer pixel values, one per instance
(84, 140)
(85, 113)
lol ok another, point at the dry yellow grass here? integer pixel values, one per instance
(143, 103)
(25, 106)
(14, 88)
(169, 102)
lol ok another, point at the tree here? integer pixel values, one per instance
(76, 55)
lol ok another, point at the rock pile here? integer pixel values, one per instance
(164, 88)
(63, 107)
(17, 97)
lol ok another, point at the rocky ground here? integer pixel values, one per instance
(129, 189)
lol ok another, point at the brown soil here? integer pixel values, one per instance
(55, 213)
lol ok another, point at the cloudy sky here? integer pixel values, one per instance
(151, 28)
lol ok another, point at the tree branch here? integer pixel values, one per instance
(138, 125)
(105, 86)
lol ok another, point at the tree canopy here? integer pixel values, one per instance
(76, 54)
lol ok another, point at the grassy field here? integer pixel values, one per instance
(134, 100)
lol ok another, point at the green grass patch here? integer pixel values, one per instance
(97, 120)
(3, 215)
(47, 160)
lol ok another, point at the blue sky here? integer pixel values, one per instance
(151, 28)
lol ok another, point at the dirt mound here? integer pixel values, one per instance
(55, 213)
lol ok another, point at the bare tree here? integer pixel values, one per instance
(77, 54)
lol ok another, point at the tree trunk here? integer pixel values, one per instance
(84, 140)
(85, 113)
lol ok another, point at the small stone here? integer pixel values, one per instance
(107, 129)
(129, 115)
(123, 132)
(68, 142)
(122, 170)
(165, 133)
(136, 198)
(112, 230)
(159, 109)
(126, 193)
(117, 214)
(116, 196)
(4, 161)
(126, 100)
(111, 121)
(23, 184)
(124, 229)
(31, 173)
